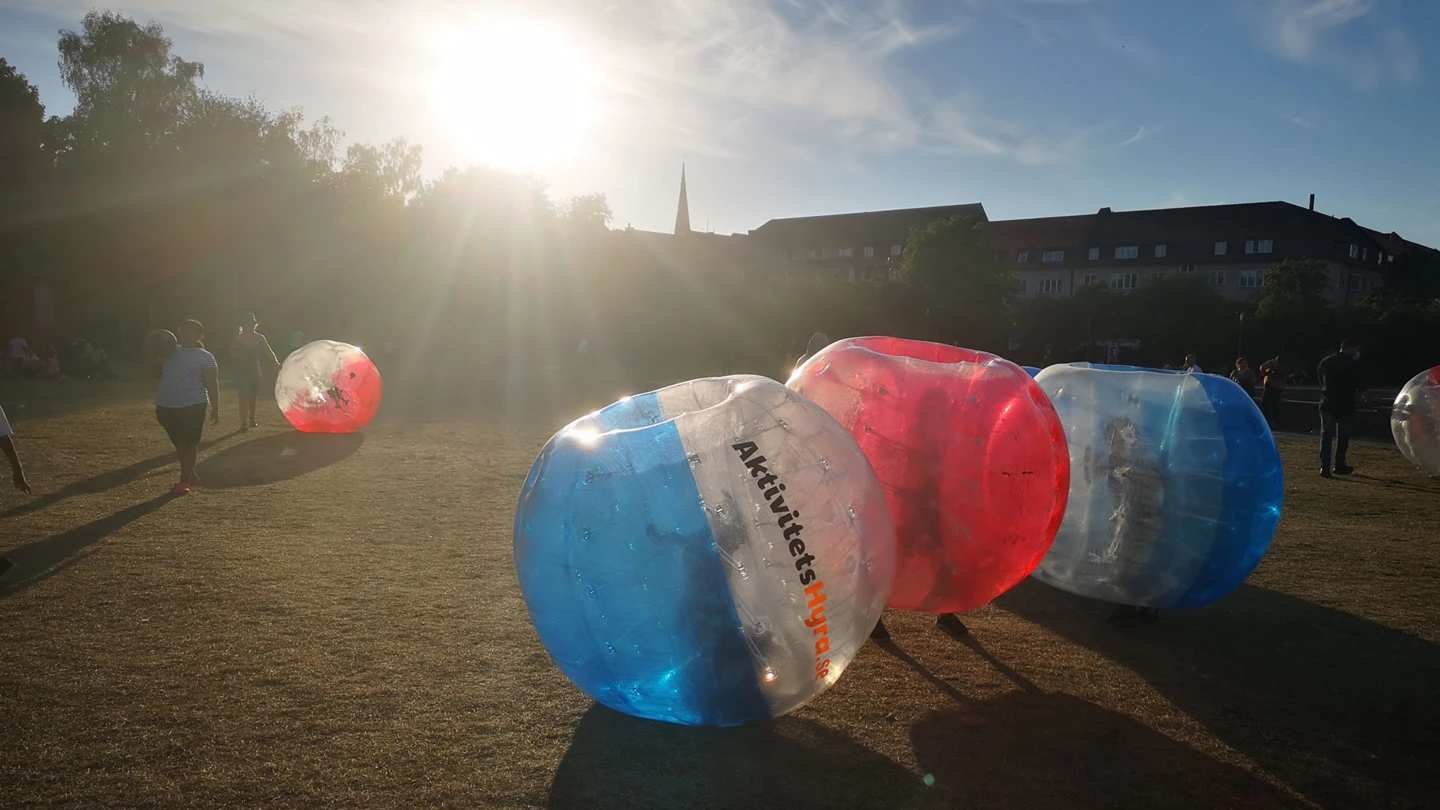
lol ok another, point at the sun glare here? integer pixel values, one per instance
(517, 94)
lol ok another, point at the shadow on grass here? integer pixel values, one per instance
(38, 561)
(616, 761)
(1340, 708)
(275, 458)
(1030, 748)
(111, 479)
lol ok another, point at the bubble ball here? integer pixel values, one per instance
(328, 387)
(710, 553)
(970, 453)
(1415, 420)
(160, 343)
(1175, 485)
(1031, 370)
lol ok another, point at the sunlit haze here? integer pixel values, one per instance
(517, 94)
(786, 108)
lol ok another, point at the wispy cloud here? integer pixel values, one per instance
(1303, 123)
(1309, 32)
(1141, 134)
(713, 77)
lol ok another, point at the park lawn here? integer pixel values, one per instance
(335, 622)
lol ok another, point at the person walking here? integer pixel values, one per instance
(1244, 376)
(249, 349)
(1341, 390)
(1273, 375)
(189, 383)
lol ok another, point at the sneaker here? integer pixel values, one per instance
(1325, 474)
(244, 428)
(1343, 469)
(180, 488)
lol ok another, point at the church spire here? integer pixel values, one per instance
(682, 213)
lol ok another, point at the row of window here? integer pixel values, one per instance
(843, 253)
(1248, 279)
(1133, 251)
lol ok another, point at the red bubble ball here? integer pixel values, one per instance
(970, 452)
(328, 387)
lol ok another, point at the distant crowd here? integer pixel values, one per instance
(80, 358)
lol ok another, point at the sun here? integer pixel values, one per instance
(518, 95)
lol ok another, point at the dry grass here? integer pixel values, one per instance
(336, 622)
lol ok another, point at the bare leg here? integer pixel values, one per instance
(186, 454)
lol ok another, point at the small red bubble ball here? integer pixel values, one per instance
(328, 387)
(970, 453)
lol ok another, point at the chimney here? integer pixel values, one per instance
(1312, 202)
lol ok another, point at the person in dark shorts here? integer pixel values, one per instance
(249, 350)
(1341, 387)
(188, 385)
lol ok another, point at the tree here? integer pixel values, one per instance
(22, 127)
(950, 269)
(588, 210)
(130, 90)
(1292, 308)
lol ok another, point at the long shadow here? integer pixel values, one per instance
(616, 761)
(1030, 748)
(38, 561)
(275, 458)
(111, 479)
(1342, 709)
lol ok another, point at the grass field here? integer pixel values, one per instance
(335, 622)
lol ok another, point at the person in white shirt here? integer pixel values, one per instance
(1191, 366)
(188, 384)
(18, 345)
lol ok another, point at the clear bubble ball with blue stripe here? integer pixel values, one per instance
(711, 553)
(1175, 485)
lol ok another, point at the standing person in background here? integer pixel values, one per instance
(189, 383)
(1191, 366)
(18, 345)
(1341, 390)
(1273, 374)
(1244, 376)
(249, 349)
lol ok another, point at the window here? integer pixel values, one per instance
(847, 253)
(1161, 250)
(1127, 252)
(869, 251)
(1221, 247)
(1089, 278)
(1265, 246)
(1052, 285)
(1354, 251)
(1053, 256)
(1359, 282)
(895, 250)
(1217, 278)
(1023, 257)
(1390, 257)
(1157, 275)
(1124, 281)
(1365, 254)
(1094, 254)
(1024, 286)
(1187, 268)
(1249, 245)
(1250, 279)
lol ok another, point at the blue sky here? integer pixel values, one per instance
(793, 107)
